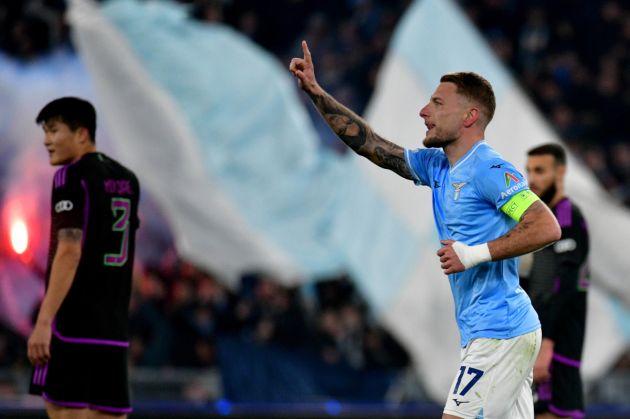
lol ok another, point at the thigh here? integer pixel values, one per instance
(88, 376)
(59, 412)
(514, 398)
(95, 414)
(67, 379)
(524, 404)
(110, 381)
(491, 377)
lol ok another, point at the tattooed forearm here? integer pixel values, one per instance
(348, 126)
(70, 234)
(537, 228)
(358, 135)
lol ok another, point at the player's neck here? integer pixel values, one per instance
(91, 148)
(559, 196)
(460, 147)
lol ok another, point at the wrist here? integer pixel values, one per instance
(44, 321)
(314, 90)
(471, 256)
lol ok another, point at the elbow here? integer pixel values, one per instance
(554, 231)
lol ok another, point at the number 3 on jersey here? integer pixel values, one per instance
(121, 208)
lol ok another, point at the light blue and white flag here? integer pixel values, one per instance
(214, 127)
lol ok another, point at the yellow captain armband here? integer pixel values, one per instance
(518, 204)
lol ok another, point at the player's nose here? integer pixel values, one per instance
(424, 112)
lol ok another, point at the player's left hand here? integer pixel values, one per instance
(542, 366)
(449, 259)
(39, 344)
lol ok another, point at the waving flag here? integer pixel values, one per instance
(214, 128)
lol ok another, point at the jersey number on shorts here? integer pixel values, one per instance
(121, 225)
(477, 375)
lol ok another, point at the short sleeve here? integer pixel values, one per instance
(421, 163)
(572, 248)
(498, 181)
(68, 199)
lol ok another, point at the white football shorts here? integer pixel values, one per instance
(494, 379)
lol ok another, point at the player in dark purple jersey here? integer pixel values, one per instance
(80, 339)
(557, 284)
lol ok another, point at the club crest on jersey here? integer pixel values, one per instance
(458, 187)
(63, 206)
(509, 177)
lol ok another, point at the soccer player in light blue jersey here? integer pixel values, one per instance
(485, 215)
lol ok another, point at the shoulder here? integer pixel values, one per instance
(488, 164)
(67, 175)
(568, 213)
(119, 167)
(427, 152)
(431, 156)
(488, 159)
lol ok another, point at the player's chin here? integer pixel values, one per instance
(435, 141)
(55, 160)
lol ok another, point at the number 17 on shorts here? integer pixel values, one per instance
(494, 379)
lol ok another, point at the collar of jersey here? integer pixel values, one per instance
(467, 155)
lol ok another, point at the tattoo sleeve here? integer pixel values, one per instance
(359, 136)
(70, 234)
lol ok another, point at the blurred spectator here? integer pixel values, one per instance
(533, 40)
(621, 168)
(12, 347)
(149, 328)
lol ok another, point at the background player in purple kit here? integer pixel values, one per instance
(80, 340)
(557, 284)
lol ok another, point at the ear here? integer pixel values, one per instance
(83, 135)
(471, 116)
(561, 170)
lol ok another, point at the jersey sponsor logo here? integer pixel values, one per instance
(515, 188)
(565, 245)
(509, 177)
(458, 402)
(497, 166)
(458, 188)
(64, 205)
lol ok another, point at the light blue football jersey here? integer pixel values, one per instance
(467, 201)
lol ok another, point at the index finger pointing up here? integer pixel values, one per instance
(307, 53)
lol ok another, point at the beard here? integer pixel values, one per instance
(547, 195)
(437, 141)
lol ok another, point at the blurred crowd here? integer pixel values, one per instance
(571, 58)
(178, 313)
